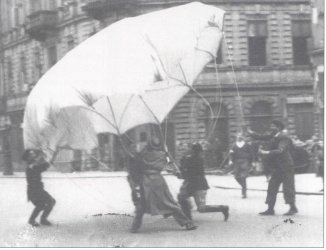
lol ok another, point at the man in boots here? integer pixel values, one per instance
(195, 184)
(282, 171)
(41, 199)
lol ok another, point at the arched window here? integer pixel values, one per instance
(261, 116)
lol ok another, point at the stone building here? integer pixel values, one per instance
(262, 71)
(317, 58)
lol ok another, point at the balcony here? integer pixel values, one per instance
(100, 9)
(41, 24)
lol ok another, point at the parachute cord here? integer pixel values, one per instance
(161, 131)
(118, 131)
(238, 95)
(235, 82)
(81, 189)
(210, 133)
(194, 90)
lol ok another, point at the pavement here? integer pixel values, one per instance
(94, 209)
(306, 184)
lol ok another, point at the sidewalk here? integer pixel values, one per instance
(307, 184)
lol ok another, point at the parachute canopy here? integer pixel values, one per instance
(131, 73)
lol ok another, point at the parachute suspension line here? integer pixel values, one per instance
(238, 95)
(161, 131)
(102, 116)
(236, 84)
(212, 129)
(195, 91)
(117, 128)
(81, 189)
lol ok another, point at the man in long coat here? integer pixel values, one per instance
(283, 167)
(158, 199)
(195, 184)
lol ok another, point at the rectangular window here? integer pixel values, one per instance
(52, 55)
(16, 16)
(304, 120)
(37, 65)
(35, 5)
(257, 37)
(9, 83)
(301, 31)
(22, 75)
(257, 51)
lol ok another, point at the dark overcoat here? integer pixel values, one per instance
(157, 196)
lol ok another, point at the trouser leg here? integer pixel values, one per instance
(200, 199)
(244, 187)
(183, 199)
(34, 214)
(273, 187)
(180, 217)
(47, 209)
(137, 198)
(289, 188)
(243, 183)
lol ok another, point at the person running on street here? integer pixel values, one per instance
(195, 184)
(241, 157)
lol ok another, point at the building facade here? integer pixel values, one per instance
(262, 71)
(317, 58)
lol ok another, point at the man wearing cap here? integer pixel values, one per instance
(41, 199)
(282, 169)
(195, 184)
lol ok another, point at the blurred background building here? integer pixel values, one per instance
(272, 50)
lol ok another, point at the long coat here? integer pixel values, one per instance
(242, 159)
(157, 196)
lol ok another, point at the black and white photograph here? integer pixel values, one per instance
(162, 123)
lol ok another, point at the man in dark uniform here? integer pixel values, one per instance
(195, 184)
(283, 167)
(41, 199)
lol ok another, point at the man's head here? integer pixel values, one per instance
(196, 148)
(154, 143)
(32, 155)
(276, 126)
(240, 138)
